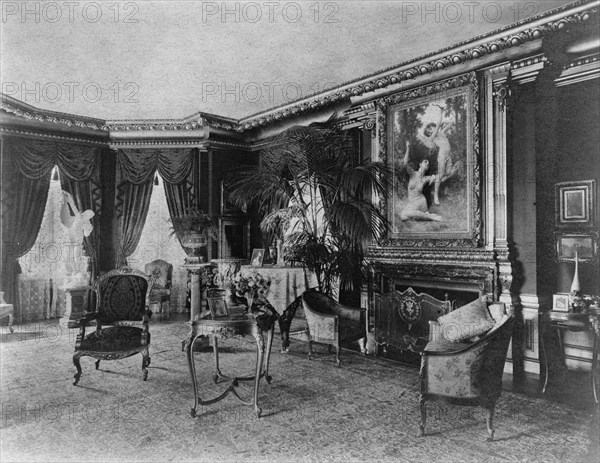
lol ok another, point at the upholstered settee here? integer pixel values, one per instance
(464, 360)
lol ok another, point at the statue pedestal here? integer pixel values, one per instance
(200, 274)
(6, 310)
(76, 299)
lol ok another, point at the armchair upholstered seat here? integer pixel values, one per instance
(122, 298)
(466, 373)
(162, 272)
(332, 323)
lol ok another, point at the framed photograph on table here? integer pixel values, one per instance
(560, 302)
(218, 307)
(575, 204)
(258, 256)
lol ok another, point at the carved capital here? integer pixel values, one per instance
(502, 93)
(370, 124)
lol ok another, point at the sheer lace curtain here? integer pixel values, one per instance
(26, 170)
(135, 175)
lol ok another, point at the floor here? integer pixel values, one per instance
(313, 412)
(571, 387)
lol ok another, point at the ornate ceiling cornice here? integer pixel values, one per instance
(11, 132)
(153, 125)
(579, 15)
(511, 36)
(25, 111)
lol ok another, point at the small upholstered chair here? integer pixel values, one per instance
(466, 370)
(122, 298)
(332, 323)
(161, 291)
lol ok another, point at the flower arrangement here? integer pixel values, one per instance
(584, 303)
(251, 287)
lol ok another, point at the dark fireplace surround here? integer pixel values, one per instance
(458, 278)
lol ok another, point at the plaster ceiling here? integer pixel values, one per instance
(170, 59)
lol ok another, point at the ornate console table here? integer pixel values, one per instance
(236, 325)
(566, 321)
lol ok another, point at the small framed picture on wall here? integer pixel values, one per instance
(560, 302)
(575, 203)
(584, 245)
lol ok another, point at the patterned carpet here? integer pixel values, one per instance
(365, 411)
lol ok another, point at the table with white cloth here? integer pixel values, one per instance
(287, 284)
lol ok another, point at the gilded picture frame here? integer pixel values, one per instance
(429, 138)
(218, 307)
(257, 258)
(575, 204)
(585, 244)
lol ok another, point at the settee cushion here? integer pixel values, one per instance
(497, 311)
(466, 322)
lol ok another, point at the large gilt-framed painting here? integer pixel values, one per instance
(429, 139)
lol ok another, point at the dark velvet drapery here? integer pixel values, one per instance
(26, 168)
(135, 174)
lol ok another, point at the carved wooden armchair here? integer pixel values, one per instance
(162, 272)
(466, 373)
(122, 297)
(332, 323)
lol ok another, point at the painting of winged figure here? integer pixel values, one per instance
(430, 156)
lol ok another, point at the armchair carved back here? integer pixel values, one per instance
(122, 294)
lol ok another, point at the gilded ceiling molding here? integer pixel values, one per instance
(143, 126)
(25, 111)
(144, 143)
(454, 56)
(13, 132)
(510, 36)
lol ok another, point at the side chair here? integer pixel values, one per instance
(122, 298)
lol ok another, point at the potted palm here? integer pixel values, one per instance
(308, 182)
(193, 228)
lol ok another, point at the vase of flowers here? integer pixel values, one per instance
(251, 287)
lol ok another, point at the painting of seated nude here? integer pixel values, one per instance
(429, 143)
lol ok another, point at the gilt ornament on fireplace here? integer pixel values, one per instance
(410, 311)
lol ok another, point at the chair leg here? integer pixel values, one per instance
(97, 364)
(77, 364)
(489, 421)
(337, 355)
(423, 409)
(145, 363)
(362, 343)
(310, 352)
